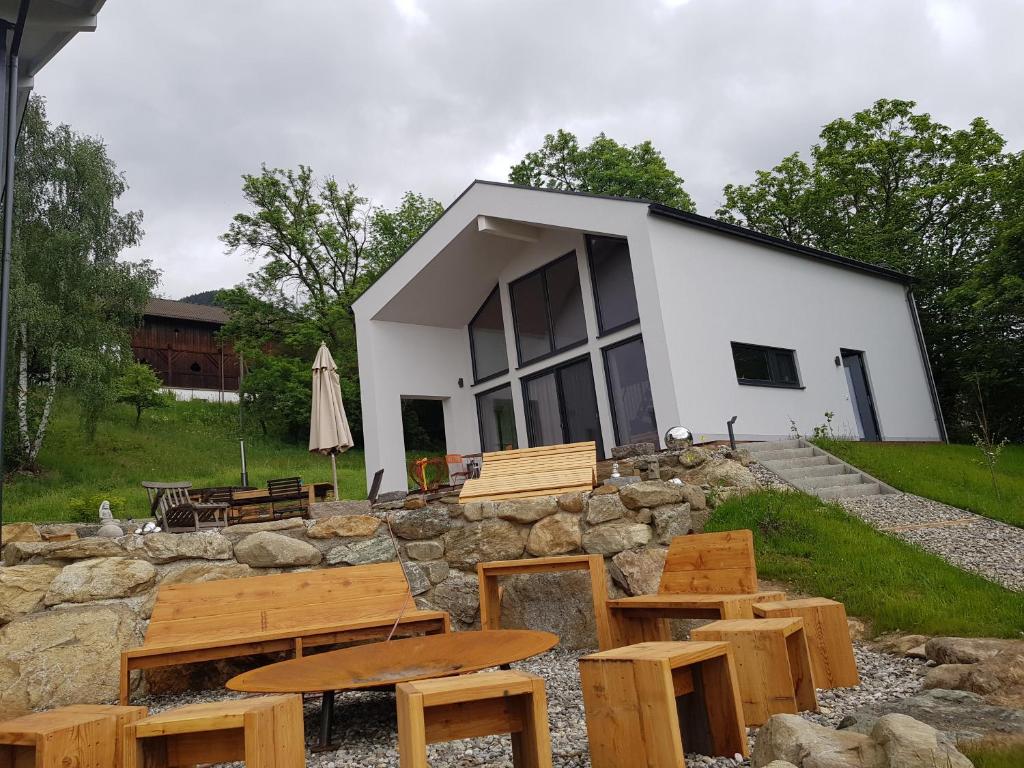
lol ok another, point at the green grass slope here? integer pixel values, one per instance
(824, 551)
(953, 474)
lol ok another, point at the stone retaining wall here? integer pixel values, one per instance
(68, 607)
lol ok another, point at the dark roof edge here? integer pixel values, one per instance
(665, 211)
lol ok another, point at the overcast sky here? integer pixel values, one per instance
(427, 95)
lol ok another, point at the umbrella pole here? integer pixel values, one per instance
(334, 474)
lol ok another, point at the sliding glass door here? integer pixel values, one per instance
(497, 419)
(561, 405)
(629, 391)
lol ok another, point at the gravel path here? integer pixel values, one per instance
(365, 721)
(992, 549)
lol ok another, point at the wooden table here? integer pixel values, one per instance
(386, 664)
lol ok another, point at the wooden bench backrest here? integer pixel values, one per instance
(240, 608)
(526, 472)
(710, 563)
(285, 486)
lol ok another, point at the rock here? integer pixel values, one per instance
(560, 603)
(573, 502)
(376, 550)
(272, 550)
(916, 652)
(699, 519)
(22, 589)
(479, 542)
(475, 511)
(900, 644)
(948, 676)
(84, 549)
(244, 529)
(322, 509)
(343, 526)
(642, 515)
(60, 532)
(694, 496)
(909, 743)
(609, 538)
(968, 650)
(168, 547)
(65, 656)
(436, 570)
(23, 552)
(641, 569)
(414, 502)
(603, 489)
(803, 743)
(527, 510)
(20, 532)
(633, 449)
(721, 473)
(999, 678)
(102, 578)
(420, 523)
(780, 764)
(424, 550)
(672, 520)
(458, 594)
(605, 507)
(693, 457)
(555, 535)
(857, 628)
(652, 493)
(449, 499)
(419, 581)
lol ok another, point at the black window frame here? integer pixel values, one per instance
(601, 330)
(608, 386)
(553, 369)
(479, 421)
(542, 270)
(773, 366)
(472, 345)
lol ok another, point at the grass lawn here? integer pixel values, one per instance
(952, 474)
(193, 441)
(823, 551)
(994, 753)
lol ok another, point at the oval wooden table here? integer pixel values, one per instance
(392, 662)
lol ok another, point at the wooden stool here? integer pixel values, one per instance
(772, 664)
(645, 701)
(123, 715)
(828, 638)
(58, 739)
(265, 732)
(450, 708)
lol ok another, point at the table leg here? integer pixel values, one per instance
(326, 723)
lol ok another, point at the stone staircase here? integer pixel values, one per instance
(817, 472)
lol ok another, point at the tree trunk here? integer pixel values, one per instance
(44, 418)
(23, 391)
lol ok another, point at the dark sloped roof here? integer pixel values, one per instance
(182, 310)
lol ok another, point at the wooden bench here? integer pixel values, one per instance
(284, 612)
(706, 576)
(81, 736)
(527, 472)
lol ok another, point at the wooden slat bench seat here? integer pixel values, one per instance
(527, 472)
(283, 612)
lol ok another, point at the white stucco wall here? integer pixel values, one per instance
(716, 289)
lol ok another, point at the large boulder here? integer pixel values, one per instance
(18, 552)
(22, 589)
(808, 745)
(560, 603)
(641, 569)
(652, 493)
(573, 502)
(613, 537)
(424, 550)
(693, 457)
(968, 650)
(459, 595)
(244, 529)
(64, 656)
(377, 550)
(475, 511)
(324, 509)
(344, 526)
(168, 547)
(20, 532)
(272, 550)
(909, 743)
(672, 520)
(490, 539)
(102, 578)
(422, 523)
(555, 535)
(527, 510)
(604, 507)
(695, 497)
(999, 678)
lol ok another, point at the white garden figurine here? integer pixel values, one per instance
(108, 528)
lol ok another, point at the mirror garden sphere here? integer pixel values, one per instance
(678, 437)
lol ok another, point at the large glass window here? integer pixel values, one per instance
(497, 419)
(765, 366)
(629, 390)
(487, 340)
(561, 405)
(612, 276)
(548, 309)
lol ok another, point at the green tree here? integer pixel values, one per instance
(139, 387)
(74, 302)
(893, 186)
(603, 167)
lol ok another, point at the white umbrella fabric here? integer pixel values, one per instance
(328, 427)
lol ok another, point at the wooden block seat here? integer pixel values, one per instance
(282, 612)
(648, 704)
(86, 736)
(828, 638)
(265, 732)
(528, 472)
(450, 708)
(772, 664)
(706, 576)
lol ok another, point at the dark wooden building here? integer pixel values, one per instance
(179, 341)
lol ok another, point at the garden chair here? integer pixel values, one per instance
(287, 497)
(179, 513)
(458, 472)
(378, 476)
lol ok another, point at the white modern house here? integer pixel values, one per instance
(540, 317)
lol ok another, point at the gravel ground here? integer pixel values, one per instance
(365, 721)
(987, 547)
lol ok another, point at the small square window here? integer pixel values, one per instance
(765, 366)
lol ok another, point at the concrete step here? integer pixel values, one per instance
(815, 470)
(784, 464)
(829, 481)
(784, 454)
(775, 445)
(846, 491)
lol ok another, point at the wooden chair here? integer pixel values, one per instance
(450, 708)
(83, 736)
(828, 638)
(155, 490)
(706, 576)
(265, 732)
(650, 703)
(287, 497)
(457, 471)
(179, 513)
(528, 472)
(378, 476)
(232, 618)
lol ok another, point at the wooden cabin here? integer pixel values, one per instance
(179, 341)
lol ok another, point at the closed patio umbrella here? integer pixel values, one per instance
(328, 427)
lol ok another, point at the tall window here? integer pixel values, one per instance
(765, 366)
(497, 419)
(629, 390)
(548, 309)
(487, 340)
(612, 276)
(561, 405)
